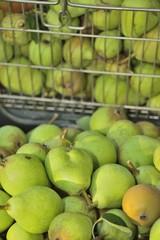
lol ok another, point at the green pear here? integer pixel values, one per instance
(116, 179)
(55, 25)
(12, 138)
(34, 208)
(70, 226)
(135, 23)
(71, 10)
(108, 48)
(86, 133)
(64, 81)
(15, 232)
(111, 90)
(83, 122)
(148, 128)
(147, 174)
(6, 220)
(121, 130)
(78, 204)
(155, 230)
(58, 141)
(104, 19)
(15, 21)
(65, 168)
(20, 171)
(72, 132)
(22, 79)
(156, 158)
(46, 51)
(138, 149)
(99, 2)
(98, 146)
(43, 132)
(103, 117)
(78, 52)
(154, 104)
(6, 50)
(35, 149)
(114, 224)
(141, 49)
(146, 86)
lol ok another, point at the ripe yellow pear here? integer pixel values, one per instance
(142, 204)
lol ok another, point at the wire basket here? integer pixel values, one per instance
(69, 56)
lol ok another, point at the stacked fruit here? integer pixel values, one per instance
(109, 55)
(99, 180)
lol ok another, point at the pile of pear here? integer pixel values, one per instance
(97, 180)
(84, 53)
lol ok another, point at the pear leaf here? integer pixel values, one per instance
(107, 228)
(114, 219)
(83, 122)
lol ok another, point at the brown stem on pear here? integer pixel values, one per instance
(134, 170)
(54, 117)
(88, 200)
(64, 134)
(123, 61)
(4, 207)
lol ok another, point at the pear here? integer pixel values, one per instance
(141, 204)
(146, 174)
(138, 149)
(58, 27)
(103, 117)
(104, 19)
(155, 230)
(20, 171)
(22, 79)
(135, 23)
(141, 49)
(15, 21)
(79, 204)
(34, 208)
(15, 232)
(99, 2)
(69, 226)
(116, 179)
(98, 146)
(65, 168)
(58, 141)
(156, 158)
(6, 50)
(83, 122)
(71, 10)
(12, 138)
(148, 128)
(86, 133)
(154, 104)
(108, 48)
(43, 132)
(7, 220)
(78, 52)
(35, 149)
(111, 90)
(64, 81)
(146, 86)
(46, 51)
(121, 130)
(72, 132)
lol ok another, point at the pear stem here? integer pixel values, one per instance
(86, 197)
(54, 117)
(123, 61)
(4, 207)
(133, 168)
(64, 134)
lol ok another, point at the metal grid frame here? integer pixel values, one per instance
(72, 104)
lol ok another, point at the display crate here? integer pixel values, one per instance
(88, 55)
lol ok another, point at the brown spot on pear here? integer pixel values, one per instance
(141, 204)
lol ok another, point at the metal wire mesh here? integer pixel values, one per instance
(71, 56)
